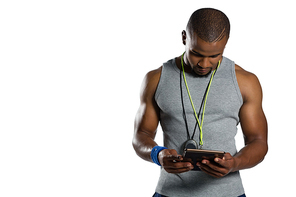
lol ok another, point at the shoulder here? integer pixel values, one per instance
(243, 75)
(153, 75)
(150, 83)
(248, 83)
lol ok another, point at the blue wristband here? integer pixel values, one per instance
(154, 153)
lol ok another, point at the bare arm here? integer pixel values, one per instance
(146, 123)
(253, 122)
(147, 117)
(254, 127)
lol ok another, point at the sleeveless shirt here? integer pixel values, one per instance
(219, 128)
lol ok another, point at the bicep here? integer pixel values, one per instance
(253, 123)
(252, 117)
(147, 117)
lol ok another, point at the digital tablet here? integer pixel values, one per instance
(197, 155)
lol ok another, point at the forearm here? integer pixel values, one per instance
(143, 144)
(251, 155)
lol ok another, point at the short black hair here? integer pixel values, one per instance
(209, 24)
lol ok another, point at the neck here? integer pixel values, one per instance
(187, 68)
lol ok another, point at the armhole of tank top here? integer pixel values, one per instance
(240, 97)
(158, 88)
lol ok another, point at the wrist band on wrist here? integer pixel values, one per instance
(154, 153)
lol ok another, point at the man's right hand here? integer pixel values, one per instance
(172, 162)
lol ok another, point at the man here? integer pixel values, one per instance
(225, 94)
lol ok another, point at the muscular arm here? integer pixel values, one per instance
(253, 121)
(146, 123)
(254, 127)
(147, 117)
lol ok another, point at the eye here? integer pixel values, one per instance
(214, 56)
(196, 54)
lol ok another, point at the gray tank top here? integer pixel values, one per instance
(219, 127)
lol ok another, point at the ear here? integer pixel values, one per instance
(184, 37)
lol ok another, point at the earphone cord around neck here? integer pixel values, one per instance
(203, 103)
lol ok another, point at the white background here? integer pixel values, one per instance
(70, 76)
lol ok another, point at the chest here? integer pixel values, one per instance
(222, 99)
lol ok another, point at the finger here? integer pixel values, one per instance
(213, 168)
(168, 155)
(221, 162)
(172, 155)
(179, 167)
(177, 170)
(210, 171)
(173, 152)
(225, 162)
(171, 160)
(212, 165)
(227, 156)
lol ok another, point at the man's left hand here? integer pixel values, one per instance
(218, 168)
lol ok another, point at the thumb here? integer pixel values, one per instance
(227, 156)
(173, 152)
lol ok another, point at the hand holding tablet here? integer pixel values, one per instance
(197, 155)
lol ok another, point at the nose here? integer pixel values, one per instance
(204, 63)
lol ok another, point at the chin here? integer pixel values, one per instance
(199, 74)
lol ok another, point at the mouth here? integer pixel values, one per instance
(203, 71)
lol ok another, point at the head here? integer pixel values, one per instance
(205, 38)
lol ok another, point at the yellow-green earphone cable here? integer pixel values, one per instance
(205, 102)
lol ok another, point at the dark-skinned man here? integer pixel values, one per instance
(199, 98)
